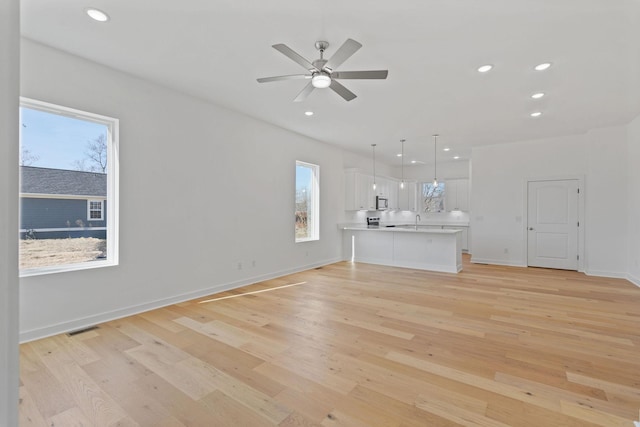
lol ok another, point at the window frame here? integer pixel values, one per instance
(89, 210)
(113, 181)
(314, 199)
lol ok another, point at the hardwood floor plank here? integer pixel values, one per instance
(356, 345)
(28, 412)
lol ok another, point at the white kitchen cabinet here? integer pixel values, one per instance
(393, 194)
(408, 196)
(359, 193)
(464, 234)
(456, 195)
(382, 187)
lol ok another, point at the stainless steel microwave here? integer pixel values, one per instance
(382, 203)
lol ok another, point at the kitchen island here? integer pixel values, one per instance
(407, 246)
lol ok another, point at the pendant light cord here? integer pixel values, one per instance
(373, 148)
(435, 159)
(402, 160)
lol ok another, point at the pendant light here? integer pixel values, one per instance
(373, 148)
(402, 158)
(435, 163)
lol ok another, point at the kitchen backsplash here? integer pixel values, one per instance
(408, 217)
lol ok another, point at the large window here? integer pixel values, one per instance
(68, 189)
(432, 197)
(307, 202)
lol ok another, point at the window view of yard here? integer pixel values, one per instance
(306, 202)
(48, 252)
(64, 169)
(433, 197)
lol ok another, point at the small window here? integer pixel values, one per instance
(307, 202)
(95, 210)
(432, 197)
(68, 189)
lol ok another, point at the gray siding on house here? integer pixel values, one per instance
(66, 209)
(38, 213)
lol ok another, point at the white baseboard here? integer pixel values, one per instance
(476, 260)
(84, 322)
(610, 274)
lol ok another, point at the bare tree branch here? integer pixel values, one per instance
(95, 156)
(27, 158)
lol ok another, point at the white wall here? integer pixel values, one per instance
(201, 190)
(633, 194)
(498, 199)
(9, 84)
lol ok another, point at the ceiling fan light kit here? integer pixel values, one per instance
(321, 81)
(323, 72)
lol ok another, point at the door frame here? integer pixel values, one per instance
(581, 214)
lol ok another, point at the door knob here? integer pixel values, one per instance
(530, 228)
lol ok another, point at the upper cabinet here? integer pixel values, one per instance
(456, 195)
(408, 196)
(360, 195)
(358, 192)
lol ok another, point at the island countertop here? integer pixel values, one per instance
(405, 228)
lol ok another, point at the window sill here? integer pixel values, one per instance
(39, 271)
(310, 239)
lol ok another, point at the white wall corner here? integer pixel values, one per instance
(9, 300)
(634, 280)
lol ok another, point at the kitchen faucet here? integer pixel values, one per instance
(417, 219)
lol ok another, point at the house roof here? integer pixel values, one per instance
(34, 180)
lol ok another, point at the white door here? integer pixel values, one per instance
(552, 228)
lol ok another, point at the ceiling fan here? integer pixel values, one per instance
(322, 72)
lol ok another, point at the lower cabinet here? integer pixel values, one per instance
(465, 235)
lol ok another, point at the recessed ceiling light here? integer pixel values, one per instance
(456, 157)
(446, 149)
(485, 68)
(543, 66)
(537, 95)
(97, 14)
(536, 114)
(308, 113)
(413, 161)
(399, 155)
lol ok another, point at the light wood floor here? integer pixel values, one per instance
(356, 345)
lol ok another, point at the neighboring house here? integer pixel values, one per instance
(57, 203)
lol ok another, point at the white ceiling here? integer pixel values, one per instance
(215, 49)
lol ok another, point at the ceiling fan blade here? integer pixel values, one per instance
(305, 92)
(288, 52)
(342, 91)
(288, 77)
(372, 74)
(345, 51)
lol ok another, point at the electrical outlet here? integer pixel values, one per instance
(239, 266)
(506, 250)
(253, 263)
